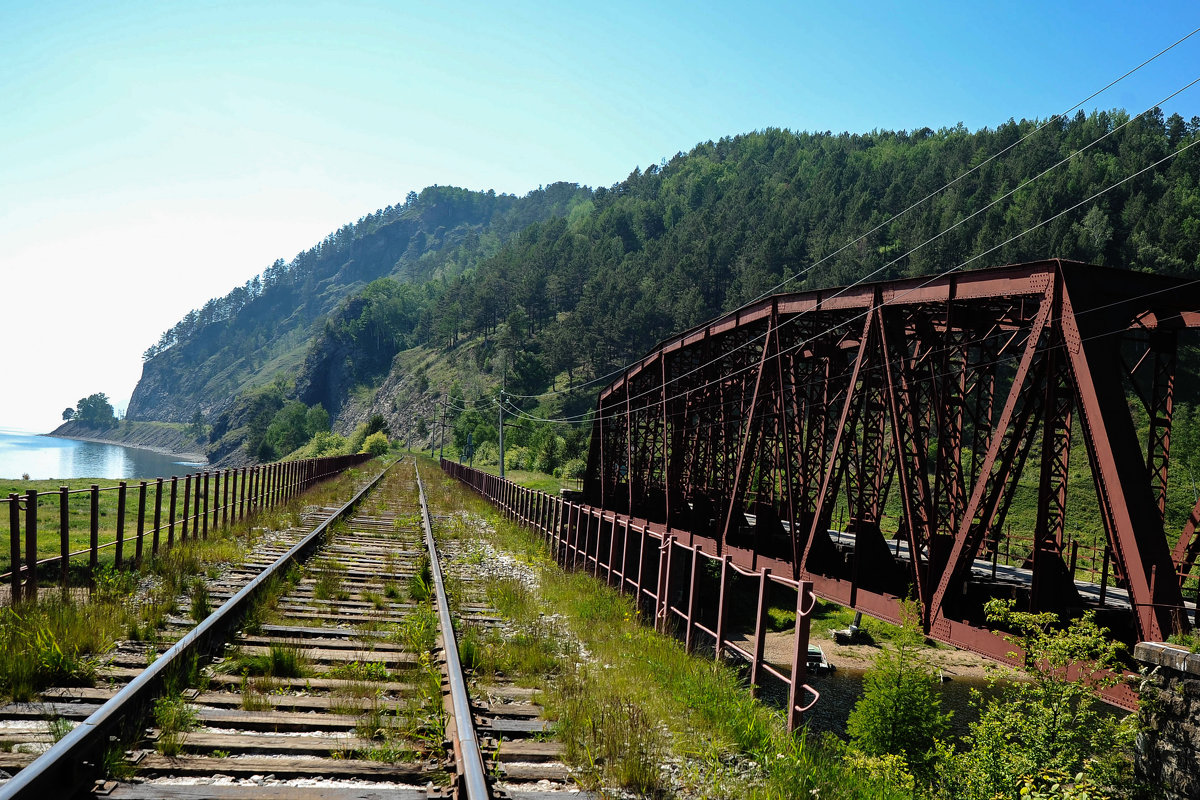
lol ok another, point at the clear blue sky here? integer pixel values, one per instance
(153, 155)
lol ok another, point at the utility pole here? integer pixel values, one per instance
(501, 407)
(442, 446)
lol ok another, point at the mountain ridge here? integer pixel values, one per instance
(603, 274)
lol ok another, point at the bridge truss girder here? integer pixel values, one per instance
(929, 397)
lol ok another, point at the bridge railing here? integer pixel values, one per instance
(671, 579)
(149, 516)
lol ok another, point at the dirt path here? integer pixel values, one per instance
(952, 663)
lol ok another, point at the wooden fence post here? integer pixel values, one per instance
(187, 506)
(206, 506)
(31, 549)
(158, 484)
(171, 512)
(196, 511)
(64, 537)
(119, 557)
(14, 549)
(94, 535)
(141, 524)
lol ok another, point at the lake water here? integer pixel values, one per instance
(49, 457)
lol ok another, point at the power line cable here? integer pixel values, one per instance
(923, 200)
(931, 279)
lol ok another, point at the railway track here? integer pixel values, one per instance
(350, 686)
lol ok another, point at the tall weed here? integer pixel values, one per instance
(53, 642)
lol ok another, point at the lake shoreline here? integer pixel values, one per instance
(198, 458)
(154, 437)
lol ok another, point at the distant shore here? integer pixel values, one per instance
(163, 438)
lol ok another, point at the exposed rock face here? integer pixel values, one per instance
(1168, 749)
(409, 411)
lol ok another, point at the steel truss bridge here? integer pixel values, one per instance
(873, 439)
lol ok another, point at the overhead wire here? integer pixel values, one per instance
(1016, 355)
(577, 418)
(918, 203)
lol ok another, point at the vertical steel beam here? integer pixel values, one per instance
(1129, 508)
(977, 518)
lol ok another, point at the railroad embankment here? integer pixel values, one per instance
(162, 437)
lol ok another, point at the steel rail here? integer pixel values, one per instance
(68, 766)
(471, 759)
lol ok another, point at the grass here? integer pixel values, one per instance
(420, 583)
(60, 727)
(345, 706)
(174, 718)
(374, 598)
(378, 722)
(360, 688)
(611, 737)
(255, 693)
(510, 597)
(282, 660)
(330, 574)
(54, 642)
(419, 630)
(643, 689)
(200, 607)
(472, 648)
(425, 713)
(360, 671)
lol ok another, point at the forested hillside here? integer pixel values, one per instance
(386, 316)
(261, 329)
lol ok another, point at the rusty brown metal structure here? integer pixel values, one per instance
(679, 586)
(914, 412)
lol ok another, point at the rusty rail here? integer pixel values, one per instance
(664, 573)
(77, 759)
(471, 772)
(215, 498)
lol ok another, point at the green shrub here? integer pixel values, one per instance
(376, 444)
(1051, 724)
(899, 712)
